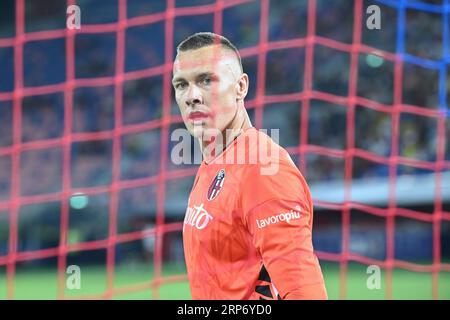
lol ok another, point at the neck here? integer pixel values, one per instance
(214, 146)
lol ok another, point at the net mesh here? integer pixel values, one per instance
(118, 79)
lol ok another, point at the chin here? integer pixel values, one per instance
(204, 132)
(197, 131)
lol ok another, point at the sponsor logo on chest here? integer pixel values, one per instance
(197, 217)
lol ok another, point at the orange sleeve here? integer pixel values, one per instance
(278, 214)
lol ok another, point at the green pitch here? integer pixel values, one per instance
(42, 283)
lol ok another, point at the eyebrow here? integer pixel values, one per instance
(199, 76)
(177, 79)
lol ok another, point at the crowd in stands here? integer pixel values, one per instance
(44, 116)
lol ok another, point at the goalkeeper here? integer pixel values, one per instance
(247, 232)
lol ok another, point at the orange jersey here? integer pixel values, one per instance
(248, 233)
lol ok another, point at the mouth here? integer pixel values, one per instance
(198, 117)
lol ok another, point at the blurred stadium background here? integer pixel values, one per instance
(86, 116)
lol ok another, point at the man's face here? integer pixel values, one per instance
(206, 86)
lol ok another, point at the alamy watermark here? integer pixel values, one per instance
(374, 19)
(73, 20)
(251, 149)
(73, 281)
(374, 280)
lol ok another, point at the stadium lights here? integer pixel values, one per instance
(374, 61)
(79, 201)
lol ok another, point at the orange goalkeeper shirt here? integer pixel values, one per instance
(247, 228)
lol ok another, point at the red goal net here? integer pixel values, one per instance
(86, 117)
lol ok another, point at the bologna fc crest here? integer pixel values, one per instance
(216, 185)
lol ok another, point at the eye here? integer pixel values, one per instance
(180, 85)
(206, 81)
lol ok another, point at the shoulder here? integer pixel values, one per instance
(274, 173)
(266, 157)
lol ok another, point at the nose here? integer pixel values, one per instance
(194, 96)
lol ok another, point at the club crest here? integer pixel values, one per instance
(216, 185)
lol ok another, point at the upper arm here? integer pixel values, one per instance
(278, 215)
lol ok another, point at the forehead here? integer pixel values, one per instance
(210, 58)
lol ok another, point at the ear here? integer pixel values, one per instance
(242, 87)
